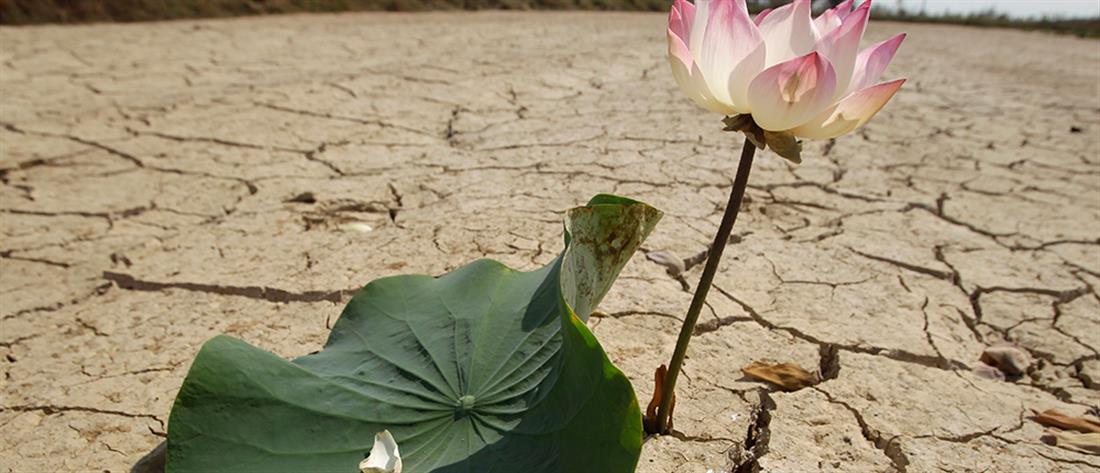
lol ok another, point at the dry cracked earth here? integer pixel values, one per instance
(166, 182)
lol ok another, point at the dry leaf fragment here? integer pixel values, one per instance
(988, 372)
(1010, 360)
(1053, 418)
(673, 264)
(788, 376)
(1084, 443)
(303, 198)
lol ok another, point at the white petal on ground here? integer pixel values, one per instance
(357, 227)
(384, 456)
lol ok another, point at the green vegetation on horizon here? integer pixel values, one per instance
(80, 11)
(22, 12)
(1082, 27)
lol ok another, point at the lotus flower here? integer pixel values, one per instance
(796, 76)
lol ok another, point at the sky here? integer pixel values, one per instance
(1016, 8)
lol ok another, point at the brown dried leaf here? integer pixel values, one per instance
(785, 145)
(1011, 360)
(787, 376)
(1053, 418)
(1083, 443)
(738, 122)
(746, 125)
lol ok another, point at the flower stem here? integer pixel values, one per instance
(713, 256)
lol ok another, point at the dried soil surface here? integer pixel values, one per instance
(166, 182)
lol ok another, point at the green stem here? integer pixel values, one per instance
(713, 256)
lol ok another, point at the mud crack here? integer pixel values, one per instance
(889, 446)
(270, 294)
(755, 446)
(903, 356)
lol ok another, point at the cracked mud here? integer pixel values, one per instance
(161, 183)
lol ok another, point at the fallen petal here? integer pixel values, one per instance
(1075, 441)
(384, 456)
(357, 227)
(1007, 358)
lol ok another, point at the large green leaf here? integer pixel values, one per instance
(484, 369)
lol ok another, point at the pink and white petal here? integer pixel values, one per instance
(841, 46)
(689, 77)
(741, 78)
(680, 18)
(844, 9)
(680, 59)
(676, 22)
(733, 49)
(872, 62)
(788, 32)
(698, 28)
(677, 49)
(826, 22)
(791, 93)
(850, 113)
(709, 101)
(760, 16)
(832, 17)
